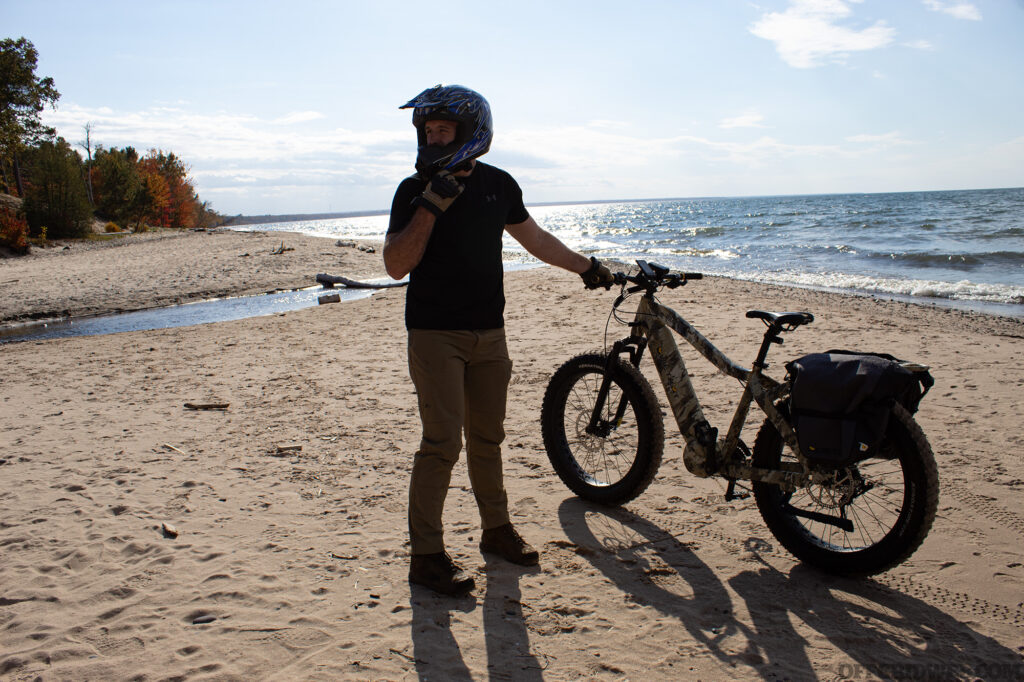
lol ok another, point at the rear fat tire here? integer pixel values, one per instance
(616, 468)
(890, 521)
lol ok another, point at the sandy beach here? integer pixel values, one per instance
(141, 539)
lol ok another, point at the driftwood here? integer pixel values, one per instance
(281, 249)
(328, 282)
(207, 406)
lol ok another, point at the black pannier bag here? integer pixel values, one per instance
(840, 402)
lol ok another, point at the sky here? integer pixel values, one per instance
(292, 107)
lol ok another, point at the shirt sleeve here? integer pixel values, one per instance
(401, 206)
(517, 212)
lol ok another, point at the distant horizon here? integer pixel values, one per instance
(267, 217)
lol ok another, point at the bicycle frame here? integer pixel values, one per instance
(705, 456)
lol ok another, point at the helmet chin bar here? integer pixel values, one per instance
(431, 159)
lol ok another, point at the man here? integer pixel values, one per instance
(445, 231)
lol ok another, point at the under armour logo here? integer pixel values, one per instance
(491, 197)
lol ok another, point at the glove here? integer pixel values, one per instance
(597, 275)
(441, 191)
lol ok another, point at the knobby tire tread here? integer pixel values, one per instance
(650, 428)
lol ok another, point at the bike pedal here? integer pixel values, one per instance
(730, 493)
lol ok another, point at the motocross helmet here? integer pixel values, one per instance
(468, 109)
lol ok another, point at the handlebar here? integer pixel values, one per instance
(653, 277)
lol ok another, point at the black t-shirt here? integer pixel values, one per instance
(458, 283)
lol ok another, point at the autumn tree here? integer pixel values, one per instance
(23, 96)
(152, 203)
(183, 204)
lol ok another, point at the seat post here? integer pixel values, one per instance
(771, 335)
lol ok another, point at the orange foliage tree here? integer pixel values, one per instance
(182, 203)
(154, 189)
(13, 230)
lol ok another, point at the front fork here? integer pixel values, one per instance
(634, 347)
(700, 436)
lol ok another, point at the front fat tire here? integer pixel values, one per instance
(911, 505)
(618, 467)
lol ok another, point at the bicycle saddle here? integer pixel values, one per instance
(792, 320)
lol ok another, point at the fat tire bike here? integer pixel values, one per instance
(604, 435)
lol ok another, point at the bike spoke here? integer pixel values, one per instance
(874, 508)
(604, 460)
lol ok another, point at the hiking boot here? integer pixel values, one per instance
(506, 543)
(439, 573)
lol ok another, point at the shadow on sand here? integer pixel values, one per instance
(436, 652)
(886, 633)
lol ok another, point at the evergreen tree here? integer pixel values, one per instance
(22, 98)
(116, 183)
(55, 200)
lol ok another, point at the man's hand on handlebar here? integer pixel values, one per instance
(598, 275)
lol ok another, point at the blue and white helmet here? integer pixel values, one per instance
(455, 103)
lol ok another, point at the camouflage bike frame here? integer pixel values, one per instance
(705, 454)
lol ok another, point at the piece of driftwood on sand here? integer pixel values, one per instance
(328, 282)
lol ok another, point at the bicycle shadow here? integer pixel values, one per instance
(436, 652)
(889, 634)
(620, 549)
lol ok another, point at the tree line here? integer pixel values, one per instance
(61, 190)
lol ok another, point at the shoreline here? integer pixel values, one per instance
(86, 279)
(154, 270)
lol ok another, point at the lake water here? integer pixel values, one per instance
(959, 247)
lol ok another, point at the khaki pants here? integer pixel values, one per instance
(461, 380)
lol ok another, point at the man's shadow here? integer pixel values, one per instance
(507, 639)
(889, 634)
(436, 652)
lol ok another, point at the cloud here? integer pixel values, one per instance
(920, 45)
(250, 160)
(957, 10)
(867, 144)
(196, 136)
(247, 164)
(808, 33)
(748, 120)
(887, 138)
(299, 117)
(604, 123)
